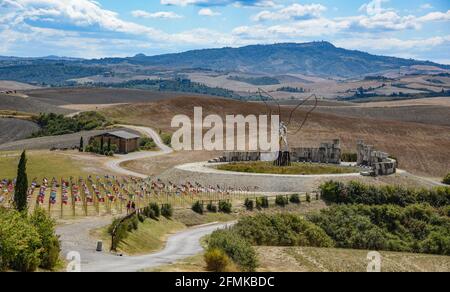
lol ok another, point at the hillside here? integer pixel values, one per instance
(421, 148)
(316, 58)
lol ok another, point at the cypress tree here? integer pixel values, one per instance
(109, 144)
(81, 144)
(101, 144)
(20, 194)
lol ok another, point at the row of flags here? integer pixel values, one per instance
(110, 188)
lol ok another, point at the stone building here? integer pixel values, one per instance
(126, 142)
(326, 153)
(379, 161)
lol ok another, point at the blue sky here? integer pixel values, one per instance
(91, 29)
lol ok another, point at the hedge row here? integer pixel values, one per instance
(358, 193)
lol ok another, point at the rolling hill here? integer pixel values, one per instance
(316, 58)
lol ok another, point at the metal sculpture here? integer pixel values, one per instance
(284, 156)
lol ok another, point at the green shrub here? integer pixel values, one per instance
(415, 228)
(20, 242)
(121, 229)
(358, 193)
(147, 143)
(211, 207)
(262, 202)
(281, 230)
(167, 210)
(249, 204)
(217, 260)
(281, 200)
(446, 179)
(149, 213)
(156, 209)
(134, 223)
(236, 247)
(51, 248)
(294, 199)
(197, 207)
(141, 217)
(225, 207)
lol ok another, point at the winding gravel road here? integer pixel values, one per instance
(76, 237)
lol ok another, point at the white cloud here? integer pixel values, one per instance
(426, 6)
(294, 11)
(160, 14)
(208, 12)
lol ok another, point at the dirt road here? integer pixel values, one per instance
(75, 237)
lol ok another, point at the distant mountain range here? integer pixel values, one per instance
(315, 58)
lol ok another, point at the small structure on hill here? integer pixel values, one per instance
(126, 142)
(379, 161)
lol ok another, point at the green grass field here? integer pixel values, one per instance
(298, 168)
(40, 164)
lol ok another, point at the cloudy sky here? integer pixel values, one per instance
(90, 29)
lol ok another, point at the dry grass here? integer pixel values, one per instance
(311, 259)
(422, 149)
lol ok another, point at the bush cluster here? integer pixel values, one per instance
(262, 202)
(294, 199)
(28, 242)
(225, 207)
(249, 204)
(281, 200)
(446, 179)
(281, 230)
(416, 228)
(235, 247)
(358, 193)
(53, 124)
(197, 207)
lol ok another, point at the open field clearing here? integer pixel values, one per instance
(312, 259)
(420, 148)
(30, 105)
(83, 96)
(425, 114)
(41, 164)
(15, 129)
(295, 168)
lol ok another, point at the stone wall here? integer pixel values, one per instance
(326, 153)
(378, 161)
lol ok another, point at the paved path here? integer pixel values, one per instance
(114, 164)
(75, 237)
(205, 167)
